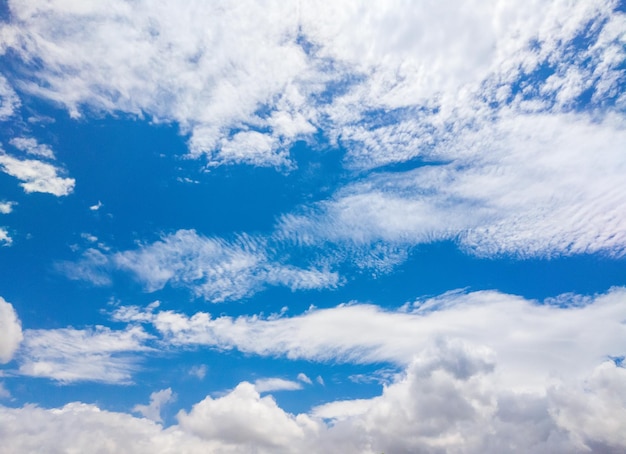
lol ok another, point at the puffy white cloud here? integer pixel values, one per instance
(6, 207)
(215, 269)
(433, 406)
(10, 331)
(158, 399)
(37, 176)
(79, 427)
(245, 419)
(68, 355)
(31, 146)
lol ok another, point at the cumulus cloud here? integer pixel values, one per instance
(432, 406)
(6, 207)
(243, 418)
(70, 355)
(10, 331)
(158, 399)
(37, 176)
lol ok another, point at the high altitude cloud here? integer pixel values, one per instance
(69, 355)
(247, 80)
(532, 185)
(213, 268)
(10, 331)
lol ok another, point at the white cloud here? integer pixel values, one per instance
(433, 406)
(37, 176)
(304, 378)
(96, 207)
(69, 355)
(216, 269)
(158, 399)
(263, 385)
(7, 207)
(247, 81)
(5, 238)
(10, 331)
(244, 418)
(532, 342)
(4, 393)
(79, 427)
(198, 371)
(9, 101)
(93, 266)
(532, 185)
(30, 146)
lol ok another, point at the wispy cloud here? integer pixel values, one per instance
(212, 268)
(69, 355)
(531, 341)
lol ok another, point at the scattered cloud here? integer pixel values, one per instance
(93, 266)
(263, 385)
(9, 101)
(70, 355)
(97, 206)
(10, 331)
(31, 146)
(37, 176)
(7, 207)
(158, 399)
(198, 371)
(528, 186)
(325, 67)
(304, 379)
(5, 238)
(212, 268)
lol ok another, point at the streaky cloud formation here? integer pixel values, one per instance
(69, 355)
(533, 342)
(353, 158)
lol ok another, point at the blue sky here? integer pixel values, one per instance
(311, 227)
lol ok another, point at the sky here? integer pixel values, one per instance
(286, 227)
